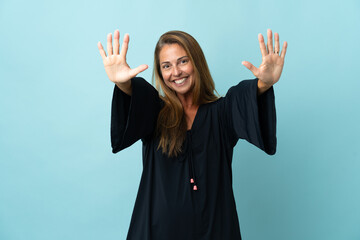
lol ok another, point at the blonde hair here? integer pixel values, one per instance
(171, 125)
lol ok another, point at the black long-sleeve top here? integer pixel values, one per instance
(167, 207)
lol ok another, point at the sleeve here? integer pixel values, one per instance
(251, 117)
(133, 117)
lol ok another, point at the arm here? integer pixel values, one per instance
(250, 116)
(135, 102)
(133, 117)
(250, 106)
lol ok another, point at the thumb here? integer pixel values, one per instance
(139, 69)
(251, 67)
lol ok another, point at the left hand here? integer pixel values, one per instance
(272, 64)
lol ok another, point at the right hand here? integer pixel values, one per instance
(115, 64)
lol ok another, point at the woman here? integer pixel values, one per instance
(188, 134)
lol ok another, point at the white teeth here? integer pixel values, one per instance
(180, 81)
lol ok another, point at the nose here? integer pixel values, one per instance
(176, 71)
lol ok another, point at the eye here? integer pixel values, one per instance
(183, 61)
(165, 66)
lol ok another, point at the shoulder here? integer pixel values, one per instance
(215, 106)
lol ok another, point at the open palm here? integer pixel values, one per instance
(270, 69)
(115, 63)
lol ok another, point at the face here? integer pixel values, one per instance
(176, 69)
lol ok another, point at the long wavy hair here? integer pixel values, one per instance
(171, 124)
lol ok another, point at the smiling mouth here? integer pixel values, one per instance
(179, 81)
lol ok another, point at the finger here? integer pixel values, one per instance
(125, 46)
(139, 69)
(269, 41)
(262, 45)
(251, 67)
(283, 51)
(102, 51)
(109, 45)
(277, 43)
(116, 42)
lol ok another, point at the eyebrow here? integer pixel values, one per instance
(177, 59)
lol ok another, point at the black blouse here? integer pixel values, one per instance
(167, 207)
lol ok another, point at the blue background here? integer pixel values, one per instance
(58, 177)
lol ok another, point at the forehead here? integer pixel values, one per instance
(171, 52)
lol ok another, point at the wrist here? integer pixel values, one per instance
(126, 87)
(262, 87)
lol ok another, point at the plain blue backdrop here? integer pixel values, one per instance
(58, 177)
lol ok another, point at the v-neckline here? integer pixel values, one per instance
(195, 120)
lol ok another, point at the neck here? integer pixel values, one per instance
(187, 101)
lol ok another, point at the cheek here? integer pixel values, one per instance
(191, 69)
(167, 83)
(165, 75)
(166, 80)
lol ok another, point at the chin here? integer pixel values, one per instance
(183, 91)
